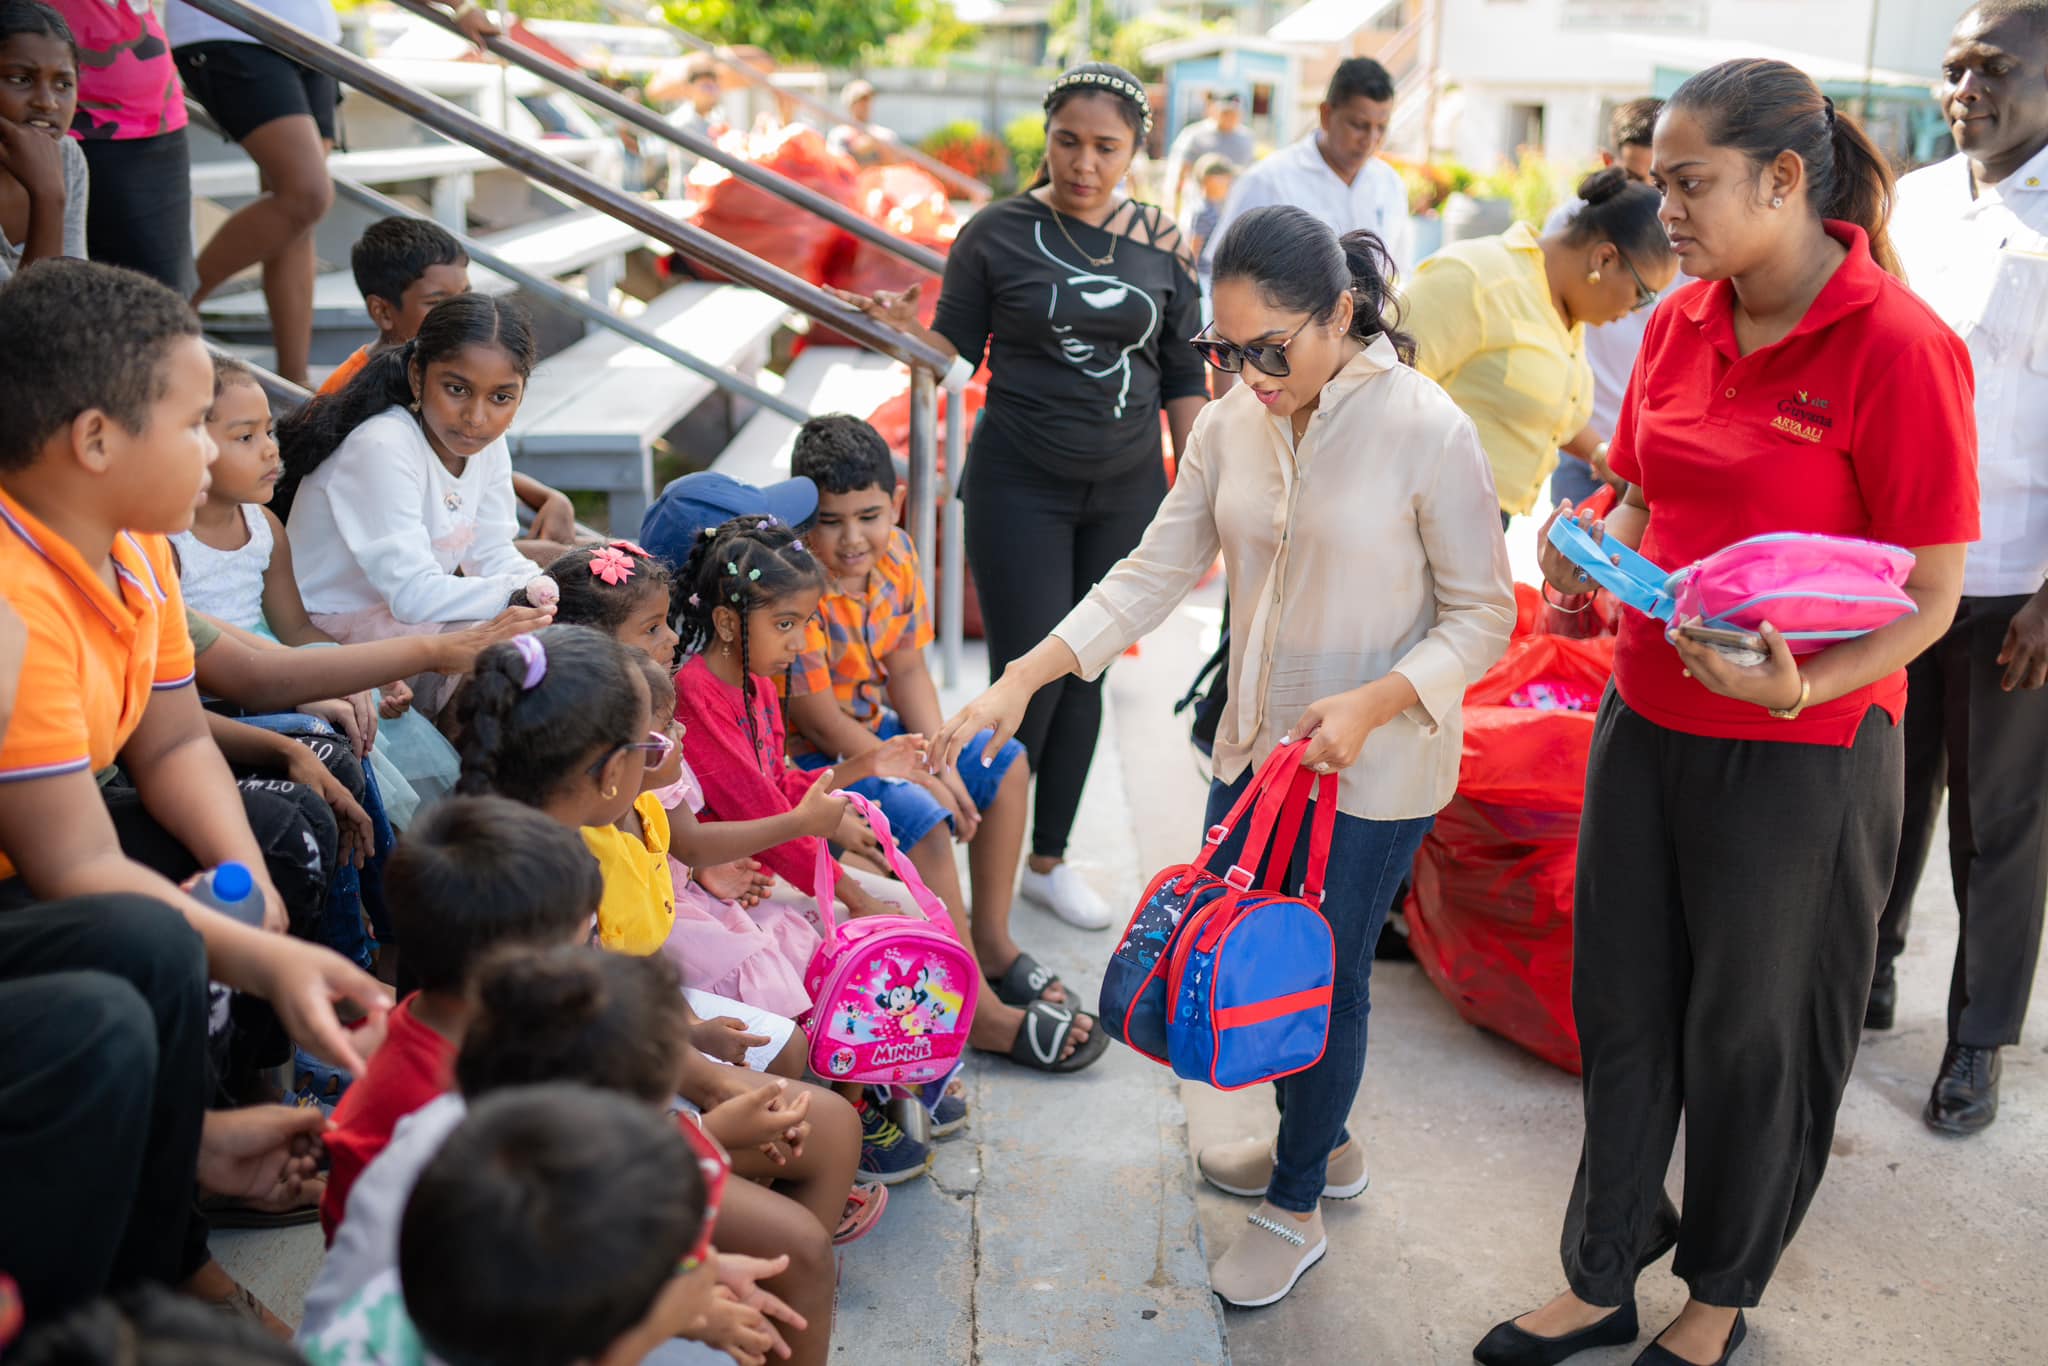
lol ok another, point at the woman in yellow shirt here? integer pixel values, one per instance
(1500, 323)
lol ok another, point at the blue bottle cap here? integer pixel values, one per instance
(232, 882)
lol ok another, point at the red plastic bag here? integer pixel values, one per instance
(1490, 910)
(912, 205)
(770, 228)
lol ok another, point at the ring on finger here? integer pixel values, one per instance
(1322, 768)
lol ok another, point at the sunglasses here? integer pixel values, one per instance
(1645, 296)
(1268, 358)
(656, 747)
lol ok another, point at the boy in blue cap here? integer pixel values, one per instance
(707, 499)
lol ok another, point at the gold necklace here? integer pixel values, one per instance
(1097, 261)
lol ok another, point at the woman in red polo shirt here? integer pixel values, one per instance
(1741, 823)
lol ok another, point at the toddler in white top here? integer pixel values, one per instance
(400, 486)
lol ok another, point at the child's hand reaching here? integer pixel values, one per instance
(854, 835)
(822, 811)
(743, 881)
(358, 837)
(739, 1330)
(725, 1039)
(743, 1277)
(464, 646)
(396, 699)
(759, 1117)
(859, 903)
(901, 757)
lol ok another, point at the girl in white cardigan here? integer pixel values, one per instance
(399, 488)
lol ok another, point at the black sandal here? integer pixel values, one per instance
(1041, 1053)
(1026, 980)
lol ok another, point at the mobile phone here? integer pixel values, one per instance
(1741, 647)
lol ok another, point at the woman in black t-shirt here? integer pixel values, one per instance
(1082, 301)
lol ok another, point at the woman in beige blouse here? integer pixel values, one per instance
(1369, 585)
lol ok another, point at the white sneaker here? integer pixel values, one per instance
(1067, 895)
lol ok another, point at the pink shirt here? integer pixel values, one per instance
(127, 86)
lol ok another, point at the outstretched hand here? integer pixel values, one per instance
(1000, 709)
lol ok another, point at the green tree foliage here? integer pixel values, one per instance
(1127, 48)
(1025, 137)
(1064, 45)
(827, 32)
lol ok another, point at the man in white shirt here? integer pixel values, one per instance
(1611, 350)
(1335, 172)
(1220, 131)
(1972, 232)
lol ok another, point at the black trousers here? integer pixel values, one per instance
(102, 1089)
(1037, 543)
(1989, 748)
(1725, 926)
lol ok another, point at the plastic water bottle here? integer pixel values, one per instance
(230, 889)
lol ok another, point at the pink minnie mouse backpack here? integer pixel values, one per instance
(892, 996)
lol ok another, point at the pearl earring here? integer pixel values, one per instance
(1592, 277)
(1777, 202)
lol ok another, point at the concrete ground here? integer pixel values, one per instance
(1918, 1249)
(1067, 1226)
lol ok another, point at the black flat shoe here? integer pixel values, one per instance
(1508, 1345)
(1884, 999)
(1658, 1355)
(1965, 1096)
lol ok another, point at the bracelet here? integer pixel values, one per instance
(1791, 713)
(1585, 599)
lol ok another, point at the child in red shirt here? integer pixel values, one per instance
(473, 874)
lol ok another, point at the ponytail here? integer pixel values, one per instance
(539, 710)
(1300, 266)
(1762, 108)
(1864, 191)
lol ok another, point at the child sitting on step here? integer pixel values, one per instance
(861, 678)
(547, 1016)
(403, 267)
(399, 488)
(236, 567)
(733, 935)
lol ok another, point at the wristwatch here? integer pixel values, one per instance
(1791, 713)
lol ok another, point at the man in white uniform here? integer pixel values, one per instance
(1972, 233)
(1335, 172)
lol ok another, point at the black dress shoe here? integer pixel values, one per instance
(1965, 1097)
(1884, 999)
(1657, 1354)
(1508, 1345)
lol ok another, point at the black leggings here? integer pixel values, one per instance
(1037, 543)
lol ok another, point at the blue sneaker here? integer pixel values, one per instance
(889, 1156)
(947, 1102)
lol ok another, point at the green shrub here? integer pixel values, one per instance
(1025, 137)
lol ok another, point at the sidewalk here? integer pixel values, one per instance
(1919, 1250)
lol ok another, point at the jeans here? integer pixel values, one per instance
(1368, 859)
(911, 811)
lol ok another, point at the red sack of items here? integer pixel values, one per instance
(1490, 913)
(771, 228)
(912, 205)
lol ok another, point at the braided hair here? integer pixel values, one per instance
(524, 742)
(741, 567)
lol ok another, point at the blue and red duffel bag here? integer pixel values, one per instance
(1227, 980)
(1251, 975)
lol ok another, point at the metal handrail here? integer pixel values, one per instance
(568, 300)
(692, 242)
(654, 18)
(647, 121)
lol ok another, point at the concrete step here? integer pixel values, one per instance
(824, 379)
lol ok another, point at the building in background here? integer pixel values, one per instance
(1507, 74)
